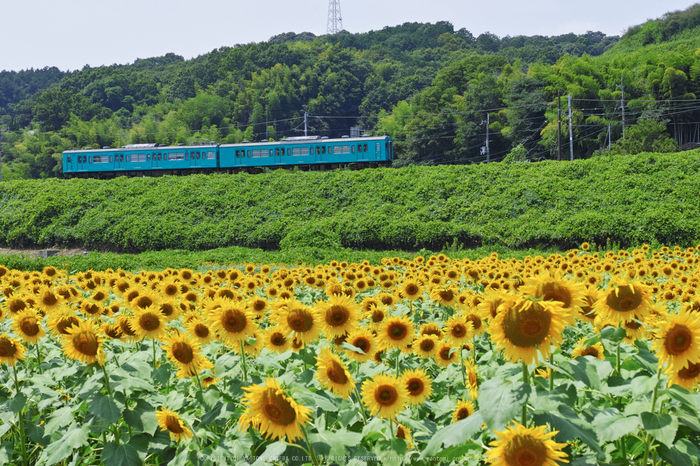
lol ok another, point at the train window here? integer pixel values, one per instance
(248, 153)
(323, 149)
(110, 159)
(318, 150)
(211, 155)
(187, 155)
(277, 152)
(90, 159)
(159, 156)
(197, 154)
(68, 159)
(269, 152)
(365, 148)
(289, 151)
(121, 157)
(238, 154)
(330, 149)
(352, 149)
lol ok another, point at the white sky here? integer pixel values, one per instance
(72, 33)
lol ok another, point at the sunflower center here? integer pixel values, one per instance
(447, 295)
(475, 320)
(377, 316)
(552, 292)
(278, 339)
(524, 450)
(690, 372)
(65, 323)
(171, 290)
(445, 353)
(277, 409)
(401, 433)
(167, 309)
(463, 413)
(336, 373)
(143, 302)
(183, 352)
(300, 320)
(201, 330)
(625, 300)
(415, 386)
(86, 343)
(427, 345)
(16, 305)
(361, 343)
(91, 308)
(259, 305)
(7, 348)
(29, 326)
(149, 322)
(678, 339)
(527, 328)
(173, 425)
(234, 321)
(386, 395)
(49, 299)
(113, 331)
(397, 331)
(337, 315)
(591, 351)
(458, 330)
(411, 289)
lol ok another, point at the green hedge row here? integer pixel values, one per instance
(648, 198)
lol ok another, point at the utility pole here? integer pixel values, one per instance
(609, 138)
(305, 132)
(571, 131)
(559, 132)
(335, 21)
(622, 103)
(488, 152)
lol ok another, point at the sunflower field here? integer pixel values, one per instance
(579, 358)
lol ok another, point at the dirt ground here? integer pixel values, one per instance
(35, 252)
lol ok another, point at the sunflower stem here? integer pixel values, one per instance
(362, 407)
(38, 356)
(245, 369)
(312, 453)
(551, 375)
(199, 382)
(526, 381)
(474, 349)
(194, 435)
(398, 357)
(23, 439)
(154, 354)
(464, 371)
(653, 405)
(391, 428)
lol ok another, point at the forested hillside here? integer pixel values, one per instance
(431, 87)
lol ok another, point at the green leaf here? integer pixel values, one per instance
(75, 437)
(645, 358)
(611, 424)
(691, 400)
(501, 401)
(454, 434)
(583, 370)
(570, 427)
(457, 451)
(329, 443)
(213, 414)
(17, 403)
(564, 394)
(120, 455)
(613, 335)
(390, 452)
(683, 453)
(6, 451)
(106, 407)
(662, 427)
(142, 417)
(271, 454)
(60, 418)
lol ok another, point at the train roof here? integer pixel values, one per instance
(143, 147)
(309, 140)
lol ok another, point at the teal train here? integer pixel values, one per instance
(305, 152)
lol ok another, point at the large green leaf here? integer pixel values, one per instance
(120, 455)
(75, 437)
(60, 418)
(682, 453)
(142, 417)
(611, 424)
(390, 452)
(106, 407)
(662, 427)
(501, 401)
(454, 434)
(570, 427)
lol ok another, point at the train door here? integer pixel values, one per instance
(156, 160)
(82, 159)
(278, 157)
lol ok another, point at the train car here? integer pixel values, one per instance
(140, 160)
(308, 152)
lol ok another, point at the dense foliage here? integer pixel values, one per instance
(649, 198)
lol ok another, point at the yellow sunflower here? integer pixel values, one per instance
(11, 350)
(363, 339)
(384, 396)
(425, 346)
(457, 330)
(522, 446)
(148, 322)
(84, 343)
(581, 349)
(688, 377)
(275, 339)
(396, 332)
(258, 306)
(463, 410)
(169, 421)
(418, 384)
(333, 374)
(410, 289)
(678, 341)
(113, 331)
(48, 300)
(200, 331)
(232, 322)
(339, 315)
(184, 352)
(404, 432)
(554, 288)
(273, 412)
(472, 378)
(444, 295)
(527, 326)
(58, 322)
(299, 319)
(27, 324)
(446, 354)
(624, 302)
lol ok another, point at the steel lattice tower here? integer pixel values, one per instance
(335, 21)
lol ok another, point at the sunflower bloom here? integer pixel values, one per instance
(384, 396)
(425, 346)
(11, 350)
(339, 315)
(411, 289)
(527, 326)
(232, 322)
(678, 341)
(148, 322)
(333, 374)
(275, 340)
(184, 352)
(84, 343)
(363, 339)
(169, 421)
(463, 410)
(581, 349)
(27, 325)
(273, 412)
(396, 332)
(688, 377)
(458, 330)
(419, 386)
(522, 446)
(624, 302)
(299, 319)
